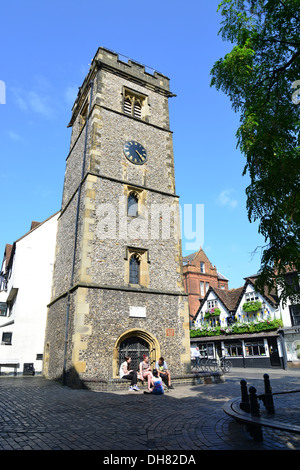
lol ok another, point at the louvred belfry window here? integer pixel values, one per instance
(133, 104)
(127, 106)
(137, 109)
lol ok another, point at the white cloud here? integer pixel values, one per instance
(226, 200)
(14, 136)
(71, 94)
(38, 99)
(40, 103)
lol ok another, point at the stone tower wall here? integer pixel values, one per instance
(100, 296)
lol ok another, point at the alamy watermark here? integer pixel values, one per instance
(296, 94)
(157, 222)
(2, 92)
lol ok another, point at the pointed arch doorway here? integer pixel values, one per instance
(135, 343)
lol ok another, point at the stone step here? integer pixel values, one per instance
(102, 385)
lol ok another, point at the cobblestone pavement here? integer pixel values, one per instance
(37, 414)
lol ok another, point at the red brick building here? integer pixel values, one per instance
(199, 274)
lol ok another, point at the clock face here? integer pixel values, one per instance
(135, 152)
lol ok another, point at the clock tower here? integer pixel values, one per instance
(117, 283)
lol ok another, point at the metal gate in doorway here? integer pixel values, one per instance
(134, 347)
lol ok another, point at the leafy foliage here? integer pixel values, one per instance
(258, 75)
(237, 328)
(213, 312)
(252, 306)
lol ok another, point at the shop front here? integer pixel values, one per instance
(262, 350)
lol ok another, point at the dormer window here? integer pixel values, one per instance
(202, 268)
(212, 303)
(251, 296)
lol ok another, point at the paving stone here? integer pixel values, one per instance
(38, 414)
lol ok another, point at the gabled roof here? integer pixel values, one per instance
(231, 298)
(194, 259)
(6, 256)
(189, 258)
(221, 277)
(34, 226)
(271, 296)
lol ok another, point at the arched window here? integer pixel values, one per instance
(132, 205)
(134, 270)
(134, 104)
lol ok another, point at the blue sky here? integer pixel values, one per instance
(46, 49)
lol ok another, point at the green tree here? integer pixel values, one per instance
(259, 76)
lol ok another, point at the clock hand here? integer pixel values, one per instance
(141, 157)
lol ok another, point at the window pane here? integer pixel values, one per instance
(134, 268)
(3, 309)
(255, 349)
(233, 349)
(295, 314)
(6, 338)
(201, 288)
(132, 208)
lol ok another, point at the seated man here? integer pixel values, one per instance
(164, 372)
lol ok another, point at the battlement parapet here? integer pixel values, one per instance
(122, 64)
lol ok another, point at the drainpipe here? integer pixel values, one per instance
(75, 241)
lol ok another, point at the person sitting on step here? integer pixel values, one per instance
(145, 371)
(163, 372)
(157, 384)
(129, 374)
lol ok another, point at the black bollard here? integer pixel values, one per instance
(244, 405)
(268, 397)
(254, 405)
(254, 429)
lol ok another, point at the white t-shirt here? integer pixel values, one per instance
(121, 373)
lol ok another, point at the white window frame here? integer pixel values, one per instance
(202, 288)
(251, 296)
(212, 303)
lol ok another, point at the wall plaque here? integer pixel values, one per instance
(137, 312)
(170, 332)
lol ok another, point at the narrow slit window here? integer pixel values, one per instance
(134, 270)
(132, 206)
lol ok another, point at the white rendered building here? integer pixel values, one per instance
(25, 291)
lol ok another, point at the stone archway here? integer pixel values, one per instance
(135, 342)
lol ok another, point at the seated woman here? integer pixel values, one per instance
(145, 371)
(129, 374)
(157, 385)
